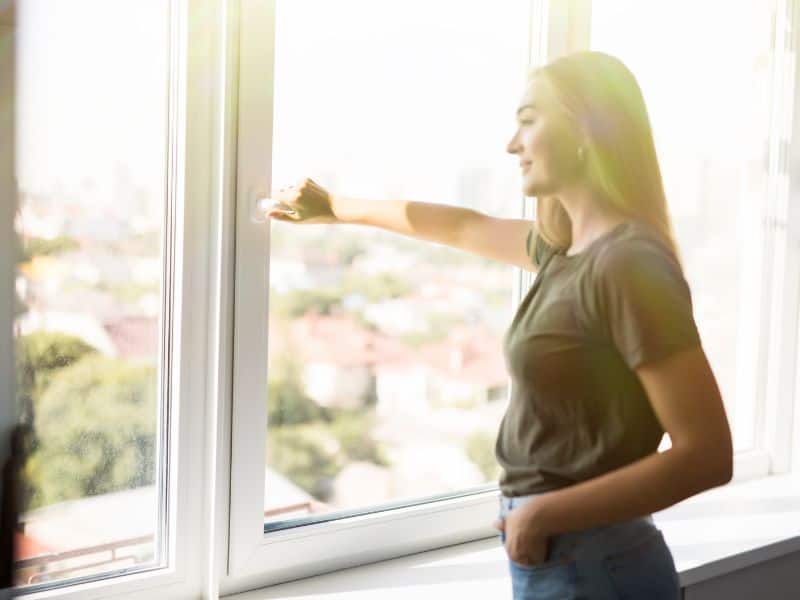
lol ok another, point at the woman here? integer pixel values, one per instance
(603, 352)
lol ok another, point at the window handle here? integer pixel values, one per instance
(261, 204)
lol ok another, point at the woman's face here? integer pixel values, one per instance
(545, 141)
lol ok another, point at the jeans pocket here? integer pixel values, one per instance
(557, 554)
(551, 579)
(554, 563)
(645, 569)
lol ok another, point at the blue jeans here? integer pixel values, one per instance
(627, 560)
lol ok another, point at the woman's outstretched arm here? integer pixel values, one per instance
(498, 239)
(465, 229)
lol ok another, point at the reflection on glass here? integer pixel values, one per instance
(386, 374)
(708, 97)
(91, 110)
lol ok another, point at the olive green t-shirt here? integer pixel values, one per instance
(577, 408)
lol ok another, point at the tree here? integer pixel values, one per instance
(36, 246)
(96, 425)
(353, 431)
(40, 354)
(305, 454)
(287, 404)
(296, 303)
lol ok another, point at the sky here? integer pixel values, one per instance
(92, 95)
(377, 99)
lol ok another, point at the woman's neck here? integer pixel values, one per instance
(588, 217)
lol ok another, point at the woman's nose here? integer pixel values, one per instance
(511, 148)
(513, 144)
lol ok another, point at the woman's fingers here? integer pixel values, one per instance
(304, 202)
(279, 215)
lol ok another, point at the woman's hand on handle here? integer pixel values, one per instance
(310, 202)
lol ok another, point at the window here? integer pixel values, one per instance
(712, 100)
(325, 341)
(241, 382)
(383, 351)
(92, 334)
(383, 384)
(113, 131)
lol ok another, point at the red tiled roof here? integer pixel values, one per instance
(28, 547)
(134, 336)
(344, 342)
(472, 354)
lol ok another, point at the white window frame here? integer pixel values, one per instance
(197, 94)
(256, 560)
(778, 425)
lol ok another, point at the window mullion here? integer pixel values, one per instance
(789, 239)
(782, 229)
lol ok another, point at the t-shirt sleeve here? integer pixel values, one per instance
(645, 302)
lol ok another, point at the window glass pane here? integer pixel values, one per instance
(92, 112)
(387, 381)
(708, 97)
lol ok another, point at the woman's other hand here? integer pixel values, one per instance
(523, 544)
(310, 202)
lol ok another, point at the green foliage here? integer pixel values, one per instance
(40, 355)
(287, 404)
(312, 454)
(35, 246)
(305, 454)
(326, 301)
(479, 447)
(352, 430)
(296, 303)
(96, 428)
(376, 288)
(310, 444)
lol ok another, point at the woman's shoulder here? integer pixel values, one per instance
(636, 246)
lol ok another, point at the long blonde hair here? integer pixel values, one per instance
(603, 99)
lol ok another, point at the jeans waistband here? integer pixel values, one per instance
(509, 502)
(620, 529)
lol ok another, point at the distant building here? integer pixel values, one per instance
(339, 357)
(347, 366)
(131, 337)
(134, 337)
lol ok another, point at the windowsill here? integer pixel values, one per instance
(713, 533)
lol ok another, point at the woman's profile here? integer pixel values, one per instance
(603, 352)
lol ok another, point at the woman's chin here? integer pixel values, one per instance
(531, 190)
